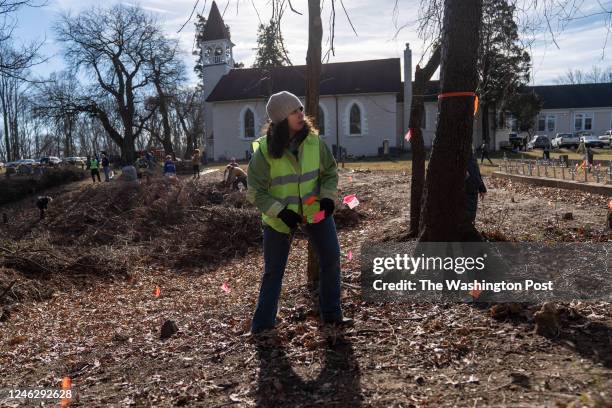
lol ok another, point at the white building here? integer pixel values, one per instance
(362, 103)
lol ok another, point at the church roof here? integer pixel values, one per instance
(574, 96)
(215, 27)
(356, 77)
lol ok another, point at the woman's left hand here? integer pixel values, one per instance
(328, 206)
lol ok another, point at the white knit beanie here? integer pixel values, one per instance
(280, 105)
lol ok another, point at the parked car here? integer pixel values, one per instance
(26, 162)
(538, 142)
(50, 161)
(75, 161)
(592, 141)
(11, 165)
(565, 140)
(516, 141)
(606, 137)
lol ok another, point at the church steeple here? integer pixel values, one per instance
(215, 27)
(216, 42)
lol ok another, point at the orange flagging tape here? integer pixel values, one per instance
(451, 94)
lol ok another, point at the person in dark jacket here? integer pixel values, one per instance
(484, 148)
(106, 167)
(474, 186)
(42, 202)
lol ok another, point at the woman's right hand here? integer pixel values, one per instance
(290, 218)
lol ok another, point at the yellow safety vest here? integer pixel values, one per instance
(294, 183)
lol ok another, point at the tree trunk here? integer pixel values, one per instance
(7, 139)
(313, 80)
(444, 215)
(421, 77)
(163, 110)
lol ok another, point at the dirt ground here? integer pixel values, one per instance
(105, 334)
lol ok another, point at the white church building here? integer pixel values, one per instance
(362, 103)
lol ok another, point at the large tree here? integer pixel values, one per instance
(113, 48)
(524, 107)
(270, 49)
(444, 216)
(503, 62)
(313, 81)
(167, 75)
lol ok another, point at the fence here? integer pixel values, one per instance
(571, 170)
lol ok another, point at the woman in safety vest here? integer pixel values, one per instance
(293, 180)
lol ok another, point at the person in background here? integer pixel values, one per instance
(485, 152)
(589, 158)
(106, 167)
(169, 167)
(235, 176)
(42, 202)
(93, 167)
(474, 186)
(195, 161)
(546, 154)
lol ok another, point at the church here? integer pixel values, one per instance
(363, 105)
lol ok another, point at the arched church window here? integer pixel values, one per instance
(355, 120)
(249, 124)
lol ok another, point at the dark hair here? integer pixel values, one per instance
(278, 135)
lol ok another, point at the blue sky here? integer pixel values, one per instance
(581, 42)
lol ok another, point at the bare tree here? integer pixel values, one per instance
(168, 72)
(577, 76)
(13, 61)
(112, 46)
(444, 216)
(189, 106)
(417, 108)
(313, 81)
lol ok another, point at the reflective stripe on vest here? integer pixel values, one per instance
(294, 183)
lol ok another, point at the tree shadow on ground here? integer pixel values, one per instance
(338, 383)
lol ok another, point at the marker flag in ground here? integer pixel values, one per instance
(225, 287)
(351, 200)
(318, 217)
(408, 135)
(475, 293)
(351, 179)
(157, 291)
(66, 386)
(610, 204)
(350, 255)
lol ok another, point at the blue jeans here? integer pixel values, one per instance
(324, 239)
(106, 173)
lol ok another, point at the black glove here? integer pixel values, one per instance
(328, 206)
(290, 218)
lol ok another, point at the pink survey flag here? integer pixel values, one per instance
(318, 217)
(408, 135)
(350, 255)
(225, 287)
(351, 200)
